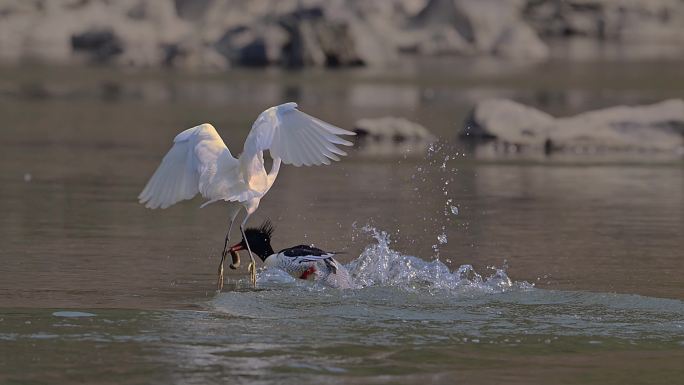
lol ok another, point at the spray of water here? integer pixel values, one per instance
(379, 265)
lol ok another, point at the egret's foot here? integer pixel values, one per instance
(252, 273)
(219, 283)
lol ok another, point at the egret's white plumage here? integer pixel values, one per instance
(200, 162)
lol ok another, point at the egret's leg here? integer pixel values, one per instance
(233, 213)
(252, 263)
(219, 283)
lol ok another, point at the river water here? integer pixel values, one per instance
(468, 270)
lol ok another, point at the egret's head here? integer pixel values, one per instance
(259, 239)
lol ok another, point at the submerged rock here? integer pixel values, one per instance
(656, 127)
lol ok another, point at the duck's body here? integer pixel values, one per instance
(301, 261)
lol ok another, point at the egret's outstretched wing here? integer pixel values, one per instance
(295, 137)
(199, 161)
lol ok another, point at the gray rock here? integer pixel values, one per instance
(656, 127)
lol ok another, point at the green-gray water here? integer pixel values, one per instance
(96, 289)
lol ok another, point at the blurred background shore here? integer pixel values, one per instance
(494, 71)
(220, 34)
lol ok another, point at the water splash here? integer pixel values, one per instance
(454, 209)
(379, 265)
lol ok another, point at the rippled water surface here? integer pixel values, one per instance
(467, 271)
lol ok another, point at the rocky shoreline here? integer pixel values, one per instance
(219, 34)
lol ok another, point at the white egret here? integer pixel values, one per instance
(199, 161)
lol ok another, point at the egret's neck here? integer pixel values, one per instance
(275, 168)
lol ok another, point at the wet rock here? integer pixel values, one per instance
(656, 127)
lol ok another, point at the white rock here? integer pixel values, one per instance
(656, 127)
(508, 121)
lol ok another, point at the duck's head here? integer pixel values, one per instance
(259, 239)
